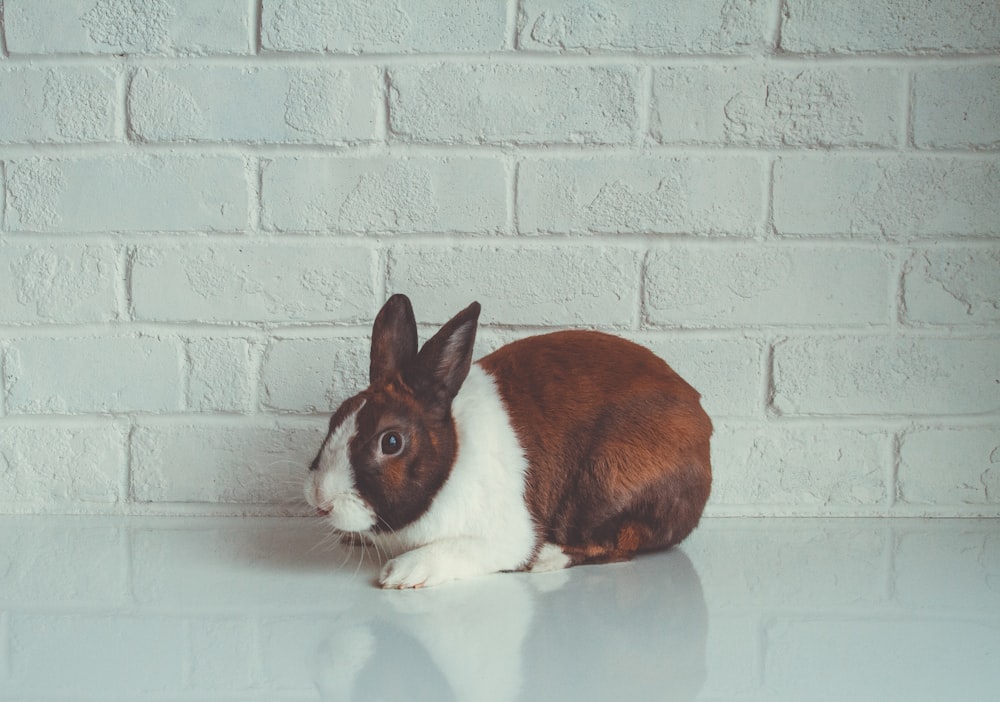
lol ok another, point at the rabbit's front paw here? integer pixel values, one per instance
(420, 568)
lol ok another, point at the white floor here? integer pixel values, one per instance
(260, 609)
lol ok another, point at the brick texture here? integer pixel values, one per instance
(227, 281)
(774, 107)
(716, 195)
(111, 27)
(58, 283)
(70, 105)
(204, 204)
(957, 107)
(715, 26)
(269, 105)
(495, 104)
(385, 195)
(382, 26)
(135, 193)
(903, 26)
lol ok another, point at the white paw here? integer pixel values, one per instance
(550, 557)
(423, 567)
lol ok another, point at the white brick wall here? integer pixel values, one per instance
(202, 205)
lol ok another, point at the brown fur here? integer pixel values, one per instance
(617, 443)
(410, 393)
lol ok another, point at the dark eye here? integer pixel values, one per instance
(391, 443)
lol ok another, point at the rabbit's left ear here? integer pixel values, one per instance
(444, 361)
(394, 340)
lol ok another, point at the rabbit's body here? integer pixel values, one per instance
(560, 449)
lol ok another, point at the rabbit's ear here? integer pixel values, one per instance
(394, 340)
(443, 363)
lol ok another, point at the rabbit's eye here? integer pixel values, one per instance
(391, 443)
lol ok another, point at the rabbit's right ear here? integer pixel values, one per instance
(394, 339)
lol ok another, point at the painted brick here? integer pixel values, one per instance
(64, 105)
(858, 26)
(138, 653)
(715, 26)
(950, 467)
(491, 103)
(58, 283)
(957, 107)
(952, 286)
(385, 195)
(225, 281)
(818, 469)
(45, 465)
(80, 561)
(886, 375)
(886, 197)
(706, 195)
(727, 372)
(720, 286)
(220, 375)
(383, 26)
(124, 26)
(748, 104)
(234, 461)
(93, 374)
(313, 375)
(260, 105)
(588, 285)
(168, 193)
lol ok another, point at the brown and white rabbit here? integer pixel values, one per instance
(566, 448)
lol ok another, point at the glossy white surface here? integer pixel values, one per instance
(260, 609)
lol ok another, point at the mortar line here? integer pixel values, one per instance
(127, 485)
(901, 256)
(123, 282)
(130, 140)
(645, 104)
(256, 27)
(383, 116)
(3, 198)
(381, 274)
(186, 372)
(122, 81)
(526, 57)
(513, 19)
(257, 347)
(776, 30)
(909, 143)
(767, 378)
(3, 379)
(542, 150)
(770, 229)
(255, 188)
(373, 239)
(513, 170)
(892, 479)
(3, 34)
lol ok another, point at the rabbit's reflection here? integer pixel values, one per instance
(590, 633)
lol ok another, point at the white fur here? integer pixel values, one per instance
(331, 487)
(550, 557)
(479, 522)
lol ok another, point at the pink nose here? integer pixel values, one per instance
(323, 511)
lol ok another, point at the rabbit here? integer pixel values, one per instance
(567, 448)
